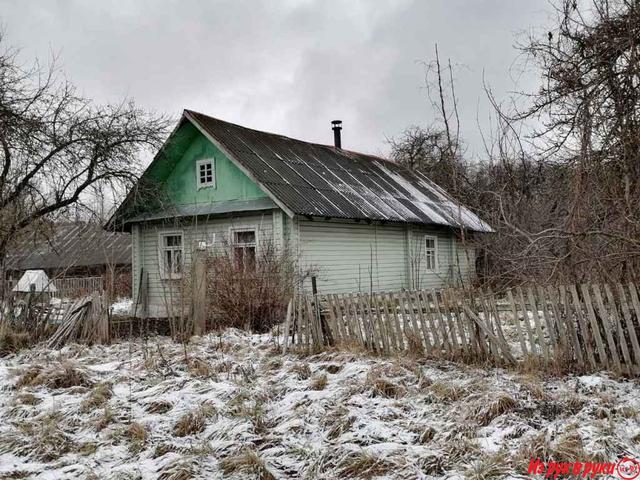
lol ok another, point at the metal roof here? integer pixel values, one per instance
(323, 181)
(71, 245)
(204, 209)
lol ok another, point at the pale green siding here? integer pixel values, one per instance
(454, 260)
(360, 257)
(352, 257)
(213, 231)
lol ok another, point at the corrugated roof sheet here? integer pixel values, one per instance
(71, 245)
(320, 180)
(204, 209)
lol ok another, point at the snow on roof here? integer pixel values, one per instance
(37, 278)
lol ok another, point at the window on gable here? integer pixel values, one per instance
(244, 247)
(205, 173)
(430, 252)
(171, 255)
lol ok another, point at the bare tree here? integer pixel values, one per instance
(56, 146)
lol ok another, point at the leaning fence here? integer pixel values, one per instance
(588, 326)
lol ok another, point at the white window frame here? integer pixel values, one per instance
(212, 183)
(435, 252)
(232, 238)
(161, 249)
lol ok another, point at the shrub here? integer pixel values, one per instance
(249, 293)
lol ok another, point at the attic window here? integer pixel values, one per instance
(205, 173)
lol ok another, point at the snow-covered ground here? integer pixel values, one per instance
(232, 406)
(122, 307)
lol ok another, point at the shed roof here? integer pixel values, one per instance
(37, 278)
(316, 180)
(71, 245)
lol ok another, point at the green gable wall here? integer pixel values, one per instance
(231, 182)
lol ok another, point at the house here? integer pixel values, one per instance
(69, 253)
(363, 222)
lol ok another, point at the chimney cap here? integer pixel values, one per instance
(336, 123)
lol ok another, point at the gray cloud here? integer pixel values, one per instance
(286, 66)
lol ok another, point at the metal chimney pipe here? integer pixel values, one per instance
(336, 126)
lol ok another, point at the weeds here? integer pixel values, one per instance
(490, 407)
(319, 382)
(137, 435)
(246, 462)
(361, 464)
(159, 406)
(490, 466)
(97, 398)
(57, 376)
(180, 469)
(194, 421)
(301, 370)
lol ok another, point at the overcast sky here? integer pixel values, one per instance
(284, 66)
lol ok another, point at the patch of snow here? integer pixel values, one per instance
(122, 307)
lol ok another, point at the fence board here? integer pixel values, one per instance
(595, 328)
(516, 321)
(571, 326)
(622, 341)
(537, 323)
(631, 331)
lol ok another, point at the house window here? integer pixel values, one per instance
(244, 247)
(430, 252)
(205, 173)
(171, 255)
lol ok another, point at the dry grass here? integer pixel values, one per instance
(427, 435)
(97, 397)
(27, 399)
(489, 466)
(57, 376)
(532, 384)
(12, 341)
(159, 406)
(137, 435)
(194, 421)
(180, 469)
(490, 407)
(566, 448)
(381, 386)
(414, 344)
(337, 421)
(446, 391)
(105, 419)
(361, 464)
(201, 368)
(41, 440)
(301, 370)
(247, 462)
(318, 382)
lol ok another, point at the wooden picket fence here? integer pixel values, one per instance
(590, 327)
(77, 287)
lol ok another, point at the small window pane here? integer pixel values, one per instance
(173, 240)
(205, 173)
(247, 237)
